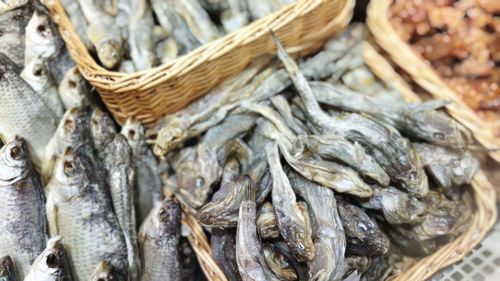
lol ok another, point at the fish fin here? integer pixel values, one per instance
(52, 216)
(250, 190)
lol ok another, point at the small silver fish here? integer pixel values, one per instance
(103, 131)
(78, 209)
(159, 240)
(149, 189)
(74, 90)
(42, 38)
(22, 221)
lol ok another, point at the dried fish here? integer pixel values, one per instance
(148, 192)
(23, 113)
(79, 210)
(52, 264)
(250, 258)
(74, 90)
(7, 272)
(279, 264)
(103, 34)
(449, 168)
(292, 216)
(78, 21)
(223, 243)
(328, 233)
(159, 240)
(397, 206)
(14, 17)
(22, 221)
(363, 235)
(140, 39)
(266, 222)
(118, 163)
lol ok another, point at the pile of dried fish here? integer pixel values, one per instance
(82, 200)
(317, 170)
(138, 35)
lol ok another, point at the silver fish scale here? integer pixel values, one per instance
(22, 223)
(91, 234)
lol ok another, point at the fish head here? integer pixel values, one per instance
(363, 234)
(41, 32)
(415, 179)
(443, 217)
(438, 128)
(172, 135)
(74, 89)
(195, 177)
(102, 127)
(167, 218)
(464, 169)
(400, 208)
(134, 131)
(304, 246)
(104, 272)
(72, 126)
(36, 72)
(71, 174)
(6, 268)
(52, 261)
(110, 52)
(14, 161)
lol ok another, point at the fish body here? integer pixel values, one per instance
(159, 241)
(223, 244)
(14, 17)
(293, 219)
(329, 237)
(37, 74)
(250, 258)
(448, 167)
(149, 189)
(140, 39)
(23, 113)
(7, 272)
(119, 166)
(78, 21)
(52, 264)
(78, 209)
(22, 221)
(103, 33)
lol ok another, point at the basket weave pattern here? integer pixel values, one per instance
(151, 94)
(423, 74)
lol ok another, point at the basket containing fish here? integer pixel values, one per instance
(157, 56)
(320, 170)
(450, 49)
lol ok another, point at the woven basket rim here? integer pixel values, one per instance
(401, 53)
(146, 79)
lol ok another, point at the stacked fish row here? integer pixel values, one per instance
(74, 190)
(317, 171)
(138, 35)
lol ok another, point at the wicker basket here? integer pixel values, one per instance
(151, 94)
(401, 53)
(484, 195)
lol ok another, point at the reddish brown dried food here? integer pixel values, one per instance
(461, 41)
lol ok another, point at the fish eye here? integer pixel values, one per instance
(439, 136)
(362, 227)
(413, 176)
(68, 168)
(300, 246)
(52, 261)
(200, 182)
(41, 28)
(15, 152)
(100, 279)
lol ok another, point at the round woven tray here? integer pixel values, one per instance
(484, 215)
(151, 94)
(401, 53)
